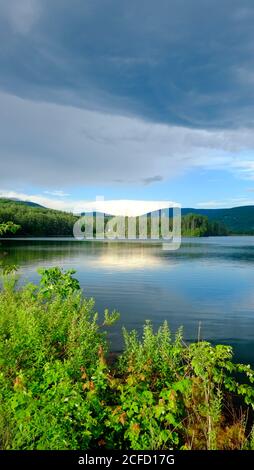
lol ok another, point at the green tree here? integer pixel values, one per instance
(8, 227)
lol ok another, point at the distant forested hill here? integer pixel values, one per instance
(35, 220)
(38, 221)
(238, 220)
(4, 200)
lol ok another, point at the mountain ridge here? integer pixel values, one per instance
(238, 220)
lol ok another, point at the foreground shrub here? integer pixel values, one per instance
(58, 391)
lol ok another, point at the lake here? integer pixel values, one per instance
(207, 282)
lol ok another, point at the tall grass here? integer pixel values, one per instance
(59, 391)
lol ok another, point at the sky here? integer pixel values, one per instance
(138, 100)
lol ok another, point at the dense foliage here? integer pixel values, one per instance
(8, 228)
(36, 221)
(237, 220)
(60, 390)
(196, 225)
(192, 225)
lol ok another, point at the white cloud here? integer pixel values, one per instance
(245, 168)
(47, 145)
(118, 207)
(51, 203)
(57, 193)
(131, 208)
(227, 203)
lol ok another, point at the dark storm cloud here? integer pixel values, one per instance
(152, 179)
(180, 62)
(108, 92)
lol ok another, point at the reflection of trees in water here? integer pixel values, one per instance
(29, 252)
(124, 253)
(32, 252)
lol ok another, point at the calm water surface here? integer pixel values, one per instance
(207, 280)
